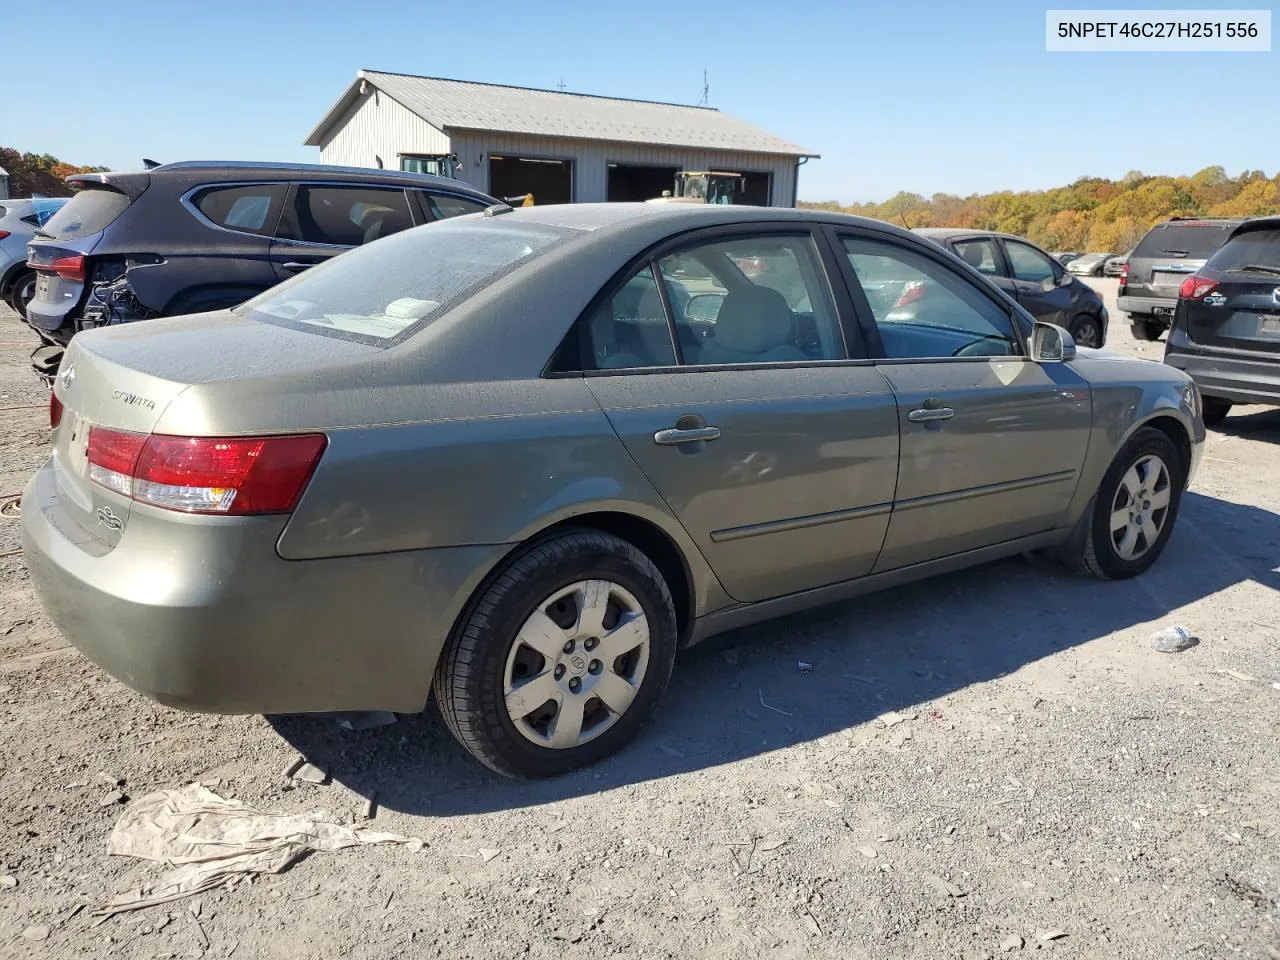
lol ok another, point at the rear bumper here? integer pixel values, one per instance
(203, 614)
(1229, 376)
(1147, 306)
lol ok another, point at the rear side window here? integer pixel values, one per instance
(391, 289)
(344, 216)
(1183, 241)
(247, 208)
(90, 211)
(443, 206)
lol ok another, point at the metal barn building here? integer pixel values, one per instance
(560, 147)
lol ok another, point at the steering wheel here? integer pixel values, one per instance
(981, 348)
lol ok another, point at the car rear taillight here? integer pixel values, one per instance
(912, 291)
(5, 234)
(1195, 287)
(232, 476)
(1124, 274)
(69, 268)
(55, 411)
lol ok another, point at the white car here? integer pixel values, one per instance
(19, 221)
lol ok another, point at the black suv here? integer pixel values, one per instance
(1153, 274)
(1226, 329)
(1033, 278)
(197, 236)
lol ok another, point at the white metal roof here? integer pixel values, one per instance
(463, 105)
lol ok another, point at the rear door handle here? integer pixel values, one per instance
(674, 435)
(293, 266)
(926, 414)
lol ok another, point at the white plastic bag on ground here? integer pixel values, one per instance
(211, 841)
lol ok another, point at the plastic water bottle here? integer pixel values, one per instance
(1172, 640)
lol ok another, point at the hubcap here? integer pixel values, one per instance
(576, 664)
(1087, 334)
(1140, 507)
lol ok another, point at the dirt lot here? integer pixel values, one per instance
(1053, 774)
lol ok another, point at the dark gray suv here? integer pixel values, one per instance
(198, 236)
(1032, 277)
(1167, 255)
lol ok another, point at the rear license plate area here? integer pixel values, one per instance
(1162, 311)
(42, 285)
(1269, 324)
(1165, 278)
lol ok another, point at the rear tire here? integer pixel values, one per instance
(1215, 410)
(526, 630)
(21, 292)
(1146, 329)
(1133, 479)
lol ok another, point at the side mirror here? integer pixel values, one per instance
(1051, 344)
(1064, 278)
(703, 306)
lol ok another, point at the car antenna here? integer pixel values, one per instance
(903, 218)
(149, 164)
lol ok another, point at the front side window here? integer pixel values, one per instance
(922, 309)
(1030, 264)
(982, 255)
(378, 293)
(344, 216)
(248, 208)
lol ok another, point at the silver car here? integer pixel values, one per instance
(19, 221)
(519, 458)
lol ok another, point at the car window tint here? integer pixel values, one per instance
(923, 309)
(982, 255)
(752, 300)
(1190, 241)
(1255, 248)
(629, 329)
(90, 211)
(345, 216)
(248, 208)
(1029, 263)
(442, 206)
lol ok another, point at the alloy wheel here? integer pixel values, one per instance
(1140, 507)
(576, 664)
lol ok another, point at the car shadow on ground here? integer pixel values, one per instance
(1264, 425)
(745, 693)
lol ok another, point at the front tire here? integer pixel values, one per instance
(1215, 410)
(1145, 329)
(1086, 331)
(1135, 509)
(561, 658)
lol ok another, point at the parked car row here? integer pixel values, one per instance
(514, 461)
(1032, 277)
(1089, 264)
(192, 237)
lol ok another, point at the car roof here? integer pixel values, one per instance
(213, 170)
(595, 216)
(1250, 225)
(952, 233)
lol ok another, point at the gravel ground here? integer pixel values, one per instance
(1045, 773)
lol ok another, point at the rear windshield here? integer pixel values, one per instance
(87, 213)
(1257, 248)
(1183, 241)
(395, 286)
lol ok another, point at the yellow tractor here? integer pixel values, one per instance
(704, 186)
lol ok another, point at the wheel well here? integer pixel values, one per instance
(653, 541)
(1177, 434)
(11, 277)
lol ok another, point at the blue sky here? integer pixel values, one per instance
(895, 96)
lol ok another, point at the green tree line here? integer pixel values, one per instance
(1091, 214)
(38, 173)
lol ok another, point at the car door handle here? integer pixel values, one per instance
(293, 266)
(674, 435)
(926, 414)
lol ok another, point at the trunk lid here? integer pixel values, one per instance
(1242, 312)
(1172, 251)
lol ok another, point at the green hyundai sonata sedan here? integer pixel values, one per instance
(517, 459)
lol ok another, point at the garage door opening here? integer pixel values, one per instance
(550, 181)
(633, 182)
(755, 190)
